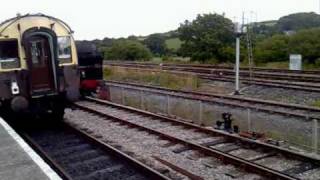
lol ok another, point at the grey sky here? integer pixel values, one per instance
(116, 18)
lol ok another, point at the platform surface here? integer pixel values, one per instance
(18, 161)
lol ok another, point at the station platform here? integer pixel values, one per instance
(17, 159)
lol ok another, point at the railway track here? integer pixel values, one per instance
(252, 156)
(300, 111)
(247, 68)
(298, 82)
(256, 74)
(279, 74)
(262, 69)
(75, 154)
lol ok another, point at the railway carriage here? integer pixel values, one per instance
(38, 65)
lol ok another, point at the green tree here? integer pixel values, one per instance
(272, 49)
(127, 50)
(156, 43)
(207, 37)
(306, 43)
(279, 47)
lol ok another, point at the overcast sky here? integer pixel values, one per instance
(92, 19)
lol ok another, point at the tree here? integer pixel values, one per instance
(206, 37)
(279, 47)
(156, 43)
(127, 50)
(298, 21)
(273, 49)
(306, 43)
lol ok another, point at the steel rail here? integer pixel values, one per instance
(148, 171)
(210, 66)
(212, 132)
(227, 68)
(261, 82)
(224, 157)
(46, 157)
(212, 71)
(206, 97)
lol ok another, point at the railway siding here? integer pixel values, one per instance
(282, 91)
(143, 146)
(296, 81)
(275, 74)
(211, 144)
(288, 124)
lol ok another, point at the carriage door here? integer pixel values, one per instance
(40, 64)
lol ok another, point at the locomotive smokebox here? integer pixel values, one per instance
(19, 104)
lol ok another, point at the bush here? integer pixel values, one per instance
(306, 43)
(279, 47)
(127, 50)
(273, 49)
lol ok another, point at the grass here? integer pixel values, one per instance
(280, 65)
(158, 78)
(316, 103)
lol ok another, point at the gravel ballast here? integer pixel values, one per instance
(144, 147)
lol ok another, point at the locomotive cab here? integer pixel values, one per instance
(90, 65)
(38, 65)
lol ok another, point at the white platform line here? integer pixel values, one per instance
(32, 154)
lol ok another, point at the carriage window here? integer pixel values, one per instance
(9, 54)
(64, 47)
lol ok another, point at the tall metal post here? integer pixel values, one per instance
(238, 32)
(237, 63)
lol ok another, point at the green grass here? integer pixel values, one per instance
(280, 65)
(159, 78)
(316, 103)
(174, 43)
